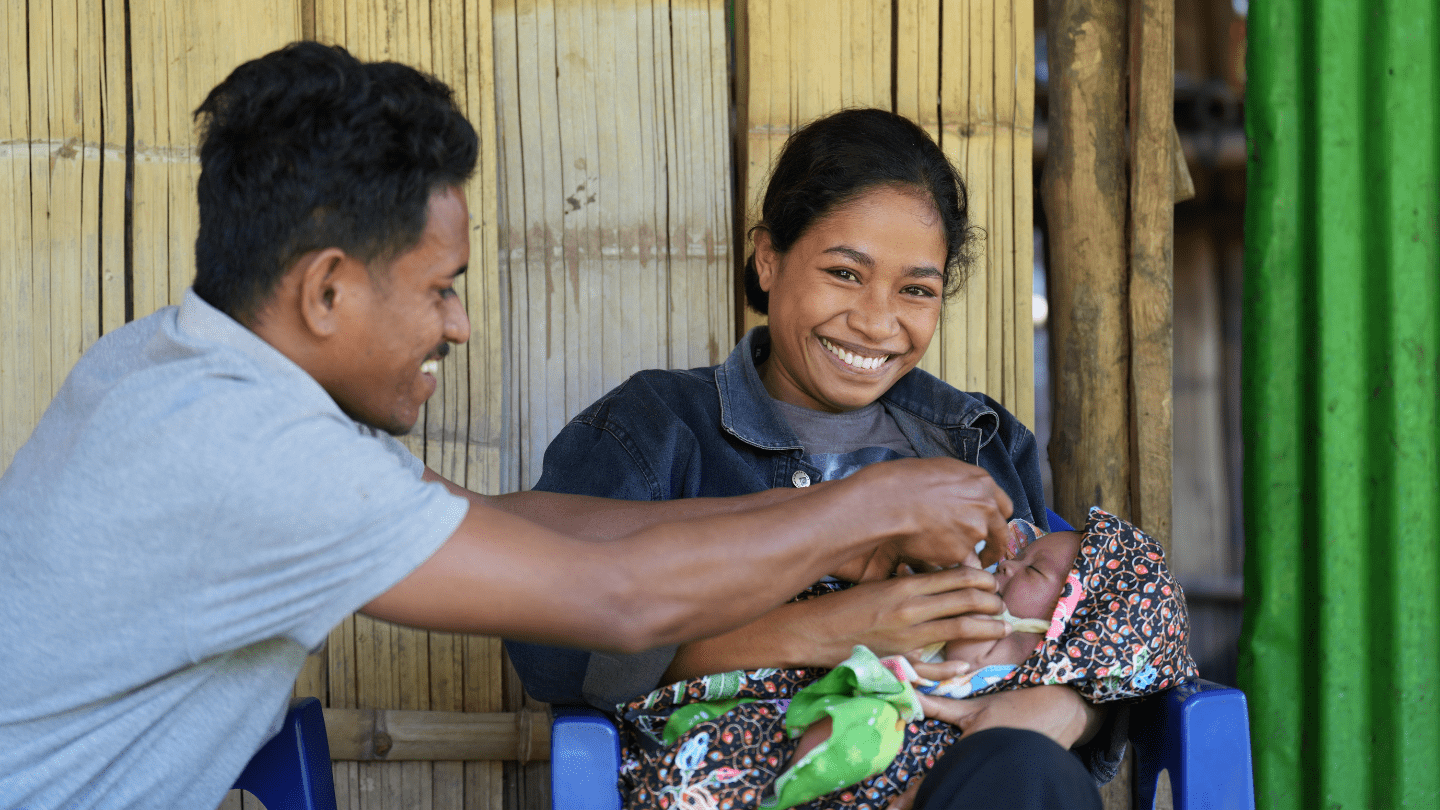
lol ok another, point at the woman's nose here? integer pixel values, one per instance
(874, 314)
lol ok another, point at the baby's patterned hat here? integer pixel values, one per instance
(1120, 629)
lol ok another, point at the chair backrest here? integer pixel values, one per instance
(292, 770)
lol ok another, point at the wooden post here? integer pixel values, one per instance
(1085, 191)
(1109, 188)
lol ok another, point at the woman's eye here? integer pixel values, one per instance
(842, 273)
(921, 292)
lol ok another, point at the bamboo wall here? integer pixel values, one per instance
(603, 242)
(614, 156)
(1340, 653)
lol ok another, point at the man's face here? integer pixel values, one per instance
(404, 321)
(1031, 583)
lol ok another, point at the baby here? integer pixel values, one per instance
(1097, 610)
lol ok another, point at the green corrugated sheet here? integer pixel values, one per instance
(1340, 655)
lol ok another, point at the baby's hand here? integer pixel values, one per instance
(938, 670)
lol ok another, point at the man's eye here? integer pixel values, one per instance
(842, 273)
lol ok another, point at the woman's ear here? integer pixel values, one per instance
(325, 285)
(767, 259)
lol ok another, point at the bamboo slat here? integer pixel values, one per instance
(16, 402)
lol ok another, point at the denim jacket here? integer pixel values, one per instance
(710, 432)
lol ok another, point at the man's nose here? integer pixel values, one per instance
(457, 322)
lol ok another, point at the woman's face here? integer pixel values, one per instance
(854, 302)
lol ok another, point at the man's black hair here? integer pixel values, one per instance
(307, 148)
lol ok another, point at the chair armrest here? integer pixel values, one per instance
(292, 769)
(1199, 732)
(584, 760)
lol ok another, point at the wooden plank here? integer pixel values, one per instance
(1085, 188)
(1152, 195)
(392, 735)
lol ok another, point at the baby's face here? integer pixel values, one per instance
(1031, 583)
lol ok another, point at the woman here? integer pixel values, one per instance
(863, 235)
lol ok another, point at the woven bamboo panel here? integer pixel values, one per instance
(614, 199)
(62, 185)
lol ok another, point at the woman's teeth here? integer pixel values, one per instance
(431, 367)
(851, 359)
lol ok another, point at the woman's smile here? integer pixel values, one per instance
(858, 361)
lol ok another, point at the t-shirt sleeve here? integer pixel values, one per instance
(318, 519)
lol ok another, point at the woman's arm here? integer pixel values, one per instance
(891, 617)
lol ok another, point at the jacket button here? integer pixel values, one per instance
(800, 478)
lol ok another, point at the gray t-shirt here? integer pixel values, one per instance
(838, 444)
(191, 517)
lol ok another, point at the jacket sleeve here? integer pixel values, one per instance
(585, 459)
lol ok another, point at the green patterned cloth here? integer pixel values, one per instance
(869, 708)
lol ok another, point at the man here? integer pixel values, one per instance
(216, 486)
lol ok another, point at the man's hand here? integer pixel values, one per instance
(1058, 712)
(949, 507)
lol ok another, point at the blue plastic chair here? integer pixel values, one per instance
(292, 770)
(1199, 732)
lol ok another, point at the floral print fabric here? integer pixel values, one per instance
(1120, 629)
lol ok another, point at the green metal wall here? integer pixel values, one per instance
(1340, 654)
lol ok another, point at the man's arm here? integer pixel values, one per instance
(501, 574)
(604, 519)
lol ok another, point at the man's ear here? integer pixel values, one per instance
(326, 280)
(767, 260)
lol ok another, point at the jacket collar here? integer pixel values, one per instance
(748, 413)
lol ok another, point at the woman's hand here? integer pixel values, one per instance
(896, 616)
(1058, 712)
(891, 617)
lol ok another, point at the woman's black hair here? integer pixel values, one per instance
(833, 160)
(307, 148)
